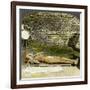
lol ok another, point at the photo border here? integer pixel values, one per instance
(14, 44)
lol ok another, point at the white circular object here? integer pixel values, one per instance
(25, 34)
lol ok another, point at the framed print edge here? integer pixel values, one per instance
(14, 45)
(86, 45)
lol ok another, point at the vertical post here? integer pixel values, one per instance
(25, 36)
(25, 48)
(25, 51)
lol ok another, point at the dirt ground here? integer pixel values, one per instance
(44, 72)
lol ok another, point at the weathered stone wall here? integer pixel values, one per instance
(52, 28)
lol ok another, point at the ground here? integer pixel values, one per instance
(51, 71)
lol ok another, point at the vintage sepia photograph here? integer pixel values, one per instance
(50, 43)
